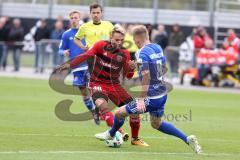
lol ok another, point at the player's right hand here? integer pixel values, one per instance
(66, 52)
(141, 105)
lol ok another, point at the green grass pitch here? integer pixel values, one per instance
(30, 130)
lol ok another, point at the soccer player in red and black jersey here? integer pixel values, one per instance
(104, 83)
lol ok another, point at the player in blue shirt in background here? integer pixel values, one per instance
(69, 49)
(153, 96)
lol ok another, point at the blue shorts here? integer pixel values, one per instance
(80, 78)
(155, 107)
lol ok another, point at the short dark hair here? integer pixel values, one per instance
(95, 5)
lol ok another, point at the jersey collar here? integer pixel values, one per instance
(97, 23)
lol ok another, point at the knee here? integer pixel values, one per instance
(99, 102)
(119, 114)
(156, 124)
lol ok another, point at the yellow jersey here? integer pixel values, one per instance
(94, 32)
(129, 43)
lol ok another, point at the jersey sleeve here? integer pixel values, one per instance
(88, 54)
(81, 32)
(95, 49)
(63, 43)
(143, 61)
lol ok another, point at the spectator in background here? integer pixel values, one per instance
(66, 24)
(229, 54)
(150, 29)
(86, 18)
(176, 38)
(233, 40)
(56, 36)
(15, 38)
(60, 18)
(186, 52)
(42, 32)
(161, 37)
(3, 38)
(229, 67)
(204, 62)
(5, 30)
(200, 36)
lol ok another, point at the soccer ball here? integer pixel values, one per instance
(116, 142)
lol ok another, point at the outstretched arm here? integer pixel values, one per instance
(81, 58)
(88, 54)
(74, 62)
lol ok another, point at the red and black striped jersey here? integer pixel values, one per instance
(109, 62)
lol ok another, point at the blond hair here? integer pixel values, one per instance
(140, 30)
(118, 29)
(73, 12)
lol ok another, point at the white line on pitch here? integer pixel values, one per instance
(78, 135)
(120, 152)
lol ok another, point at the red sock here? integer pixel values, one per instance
(108, 117)
(135, 125)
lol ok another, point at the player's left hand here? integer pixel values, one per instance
(66, 52)
(132, 64)
(141, 105)
(64, 66)
(85, 48)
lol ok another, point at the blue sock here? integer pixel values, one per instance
(116, 125)
(89, 103)
(170, 129)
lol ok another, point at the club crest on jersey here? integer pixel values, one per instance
(75, 78)
(109, 48)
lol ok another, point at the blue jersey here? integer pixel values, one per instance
(67, 42)
(151, 58)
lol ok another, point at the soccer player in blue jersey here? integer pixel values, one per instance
(153, 96)
(69, 49)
